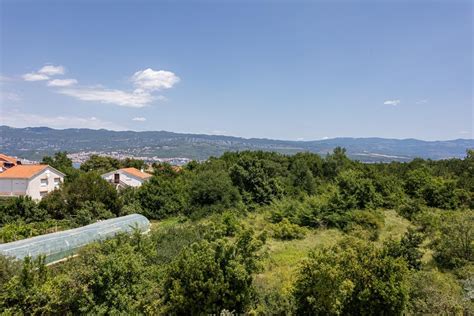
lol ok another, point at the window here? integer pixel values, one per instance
(57, 181)
(44, 182)
(116, 178)
(43, 193)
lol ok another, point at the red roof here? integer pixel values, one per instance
(137, 173)
(8, 159)
(22, 171)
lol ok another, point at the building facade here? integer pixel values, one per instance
(126, 177)
(34, 181)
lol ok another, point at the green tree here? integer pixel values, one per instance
(256, 180)
(162, 196)
(212, 191)
(355, 191)
(352, 277)
(91, 187)
(63, 163)
(100, 164)
(208, 277)
(453, 244)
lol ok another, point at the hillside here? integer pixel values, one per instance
(35, 142)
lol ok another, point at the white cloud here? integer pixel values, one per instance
(62, 82)
(422, 101)
(139, 119)
(145, 82)
(52, 70)
(44, 73)
(32, 76)
(119, 97)
(18, 119)
(392, 102)
(151, 80)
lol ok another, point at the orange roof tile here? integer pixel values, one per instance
(137, 173)
(8, 158)
(22, 171)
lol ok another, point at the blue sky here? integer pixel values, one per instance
(274, 69)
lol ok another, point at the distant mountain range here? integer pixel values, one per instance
(35, 142)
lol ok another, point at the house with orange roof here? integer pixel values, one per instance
(126, 177)
(8, 162)
(29, 180)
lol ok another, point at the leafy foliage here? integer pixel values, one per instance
(352, 277)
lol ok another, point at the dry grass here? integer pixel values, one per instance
(395, 226)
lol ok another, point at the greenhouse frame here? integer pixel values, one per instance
(61, 245)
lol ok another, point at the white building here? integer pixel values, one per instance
(126, 177)
(32, 180)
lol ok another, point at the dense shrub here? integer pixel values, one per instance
(208, 277)
(435, 293)
(453, 244)
(211, 192)
(408, 248)
(353, 277)
(161, 197)
(285, 230)
(20, 230)
(369, 221)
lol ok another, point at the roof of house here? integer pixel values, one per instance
(8, 158)
(24, 171)
(136, 173)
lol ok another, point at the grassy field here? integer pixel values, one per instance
(282, 258)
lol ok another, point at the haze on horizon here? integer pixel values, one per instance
(269, 69)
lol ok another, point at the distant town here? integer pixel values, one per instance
(82, 156)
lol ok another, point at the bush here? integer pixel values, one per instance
(208, 277)
(212, 191)
(21, 208)
(453, 246)
(355, 192)
(352, 277)
(435, 293)
(21, 230)
(407, 248)
(285, 230)
(161, 197)
(371, 222)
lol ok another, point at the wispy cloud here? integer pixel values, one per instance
(44, 73)
(139, 119)
(421, 101)
(62, 82)
(145, 82)
(19, 119)
(52, 70)
(32, 76)
(118, 97)
(392, 102)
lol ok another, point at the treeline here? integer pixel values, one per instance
(207, 262)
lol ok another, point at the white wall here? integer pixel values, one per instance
(13, 186)
(35, 189)
(124, 177)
